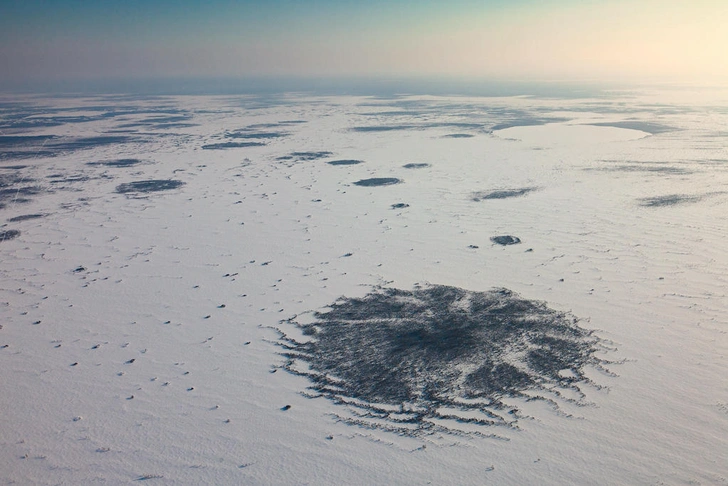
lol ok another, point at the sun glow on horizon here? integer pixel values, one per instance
(556, 39)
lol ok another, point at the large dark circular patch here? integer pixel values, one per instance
(422, 361)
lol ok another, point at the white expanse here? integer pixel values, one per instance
(627, 230)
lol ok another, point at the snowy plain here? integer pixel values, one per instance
(141, 324)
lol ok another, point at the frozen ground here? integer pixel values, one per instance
(169, 265)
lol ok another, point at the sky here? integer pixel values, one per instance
(494, 39)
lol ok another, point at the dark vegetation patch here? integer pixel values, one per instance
(459, 135)
(427, 361)
(306, 156)
(345, 162)
(668, 200)
(19, 194)
(378, 181)
(8, 179)
(30, 123)
(90, 142)
(502, 194)
(160, 122)
(25, 146)
(25, 154)
(148, 186)
(163, 121)
(27, 117)
(161, 126)
(26, 217)
(649, 127)
(505, 240)
(229, 145)
(63, 179)
(8, 234)
(415, 166)
(465, 125)
(12, 141)
(117, 163)
(169, 119)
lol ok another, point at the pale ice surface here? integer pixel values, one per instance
(139, 316)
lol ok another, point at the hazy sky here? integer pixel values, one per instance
(535, 39)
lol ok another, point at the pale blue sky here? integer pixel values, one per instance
(547, 39)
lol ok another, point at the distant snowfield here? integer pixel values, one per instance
(147, 284)
(566, 134)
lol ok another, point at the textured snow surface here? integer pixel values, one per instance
(171, 267)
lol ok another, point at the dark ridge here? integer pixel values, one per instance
(345, 162)
(502, 194)
(505, 240)
(420, 362)
(228, 145)
(117, 163)
(649, 127)
(148, 186)
(415, 166)
(378, 181)
(8, 235)
(26, 217)
(12, 167)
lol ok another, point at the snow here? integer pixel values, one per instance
(141, 328)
